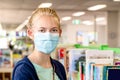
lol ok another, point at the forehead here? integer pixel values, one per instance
(44, 21)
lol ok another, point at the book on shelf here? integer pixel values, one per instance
(82, 70)
(111, 72)
(75, 56)
(5, 58)
(97, 71)
(8, 58)
(97, 57)
(117, 63)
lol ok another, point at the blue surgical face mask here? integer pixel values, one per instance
(46, 42)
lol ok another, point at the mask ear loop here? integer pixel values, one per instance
(53, 66)
(53, 72)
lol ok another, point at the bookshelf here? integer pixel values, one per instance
(5, 73)
(93, 66)
(96, 57)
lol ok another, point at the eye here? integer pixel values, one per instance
(54, 30)
(42, 30)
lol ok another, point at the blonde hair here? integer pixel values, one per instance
(43, 11)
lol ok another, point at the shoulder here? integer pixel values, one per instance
(22, 69)
(24, 63)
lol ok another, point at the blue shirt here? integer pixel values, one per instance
(24, 70)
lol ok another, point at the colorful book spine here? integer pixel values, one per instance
(82, 70)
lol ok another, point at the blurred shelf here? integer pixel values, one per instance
(5, 73)
(6, 70)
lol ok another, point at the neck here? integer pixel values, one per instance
(40, 59)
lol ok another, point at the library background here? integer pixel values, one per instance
(89, 47)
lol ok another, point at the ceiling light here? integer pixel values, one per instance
(116, 0)
(97, 7)
(100, 19)
(66, 18)
(78, 13)
(43, 5)
(87, 22)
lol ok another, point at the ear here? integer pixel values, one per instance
(30, 33)
(60, 32)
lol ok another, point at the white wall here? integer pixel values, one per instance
(112, 28)
(102, 34)
(119, 29)
(69, 33)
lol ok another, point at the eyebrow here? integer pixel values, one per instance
(51, 28)
(54, 27)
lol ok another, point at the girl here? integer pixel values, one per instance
(44, 30)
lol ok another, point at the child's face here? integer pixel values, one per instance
(44, 24)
